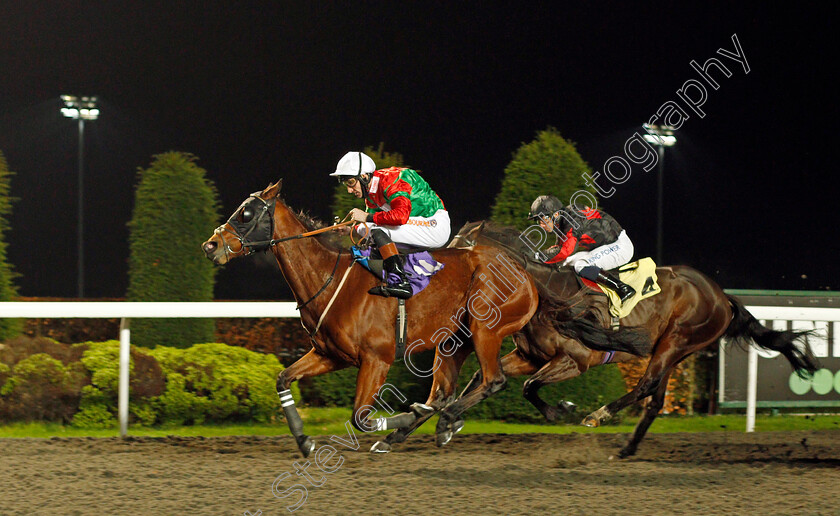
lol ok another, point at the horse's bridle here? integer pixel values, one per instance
(260, 224)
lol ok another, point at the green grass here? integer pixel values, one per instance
(330, 421)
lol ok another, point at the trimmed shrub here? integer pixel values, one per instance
(204, 383)
(228, 383)
(39, 387)
(176, 208)
(41, 379)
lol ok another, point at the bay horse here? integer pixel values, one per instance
(689, 314)
(349, 327)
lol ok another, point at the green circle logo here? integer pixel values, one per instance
(799, 385)
(822, 382)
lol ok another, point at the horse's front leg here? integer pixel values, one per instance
(310, 364)
(371, 378)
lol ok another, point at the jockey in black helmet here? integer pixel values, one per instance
(588, 240)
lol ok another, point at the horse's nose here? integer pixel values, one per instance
(209, 247)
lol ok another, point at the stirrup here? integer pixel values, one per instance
(401, 291)
(629, 292)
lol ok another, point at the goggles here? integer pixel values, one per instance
(350, 182)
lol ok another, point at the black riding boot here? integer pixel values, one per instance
(392, 265)
(623, 290)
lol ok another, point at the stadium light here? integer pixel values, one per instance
(662, 136)
(81, 109)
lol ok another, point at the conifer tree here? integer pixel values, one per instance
(548, 165)
(8, 291)
(176, 208)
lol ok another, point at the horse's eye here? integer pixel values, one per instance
(247, 214)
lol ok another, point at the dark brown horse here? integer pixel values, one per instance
(461, 307)
(690, 314)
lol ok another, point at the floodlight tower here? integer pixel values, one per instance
(81, 109)
(662, 136)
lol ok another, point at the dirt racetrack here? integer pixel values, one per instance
(708, 473)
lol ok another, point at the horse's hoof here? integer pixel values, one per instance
(442, 438)
(306, 446)
(421, 409)
(380, 447)
(626, 452)
(566, 407)
(457, 426)
(591, 422)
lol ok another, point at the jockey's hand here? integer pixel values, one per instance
(358, 215)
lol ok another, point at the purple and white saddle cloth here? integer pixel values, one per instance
(419, 268)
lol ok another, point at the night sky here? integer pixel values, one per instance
(263, 90)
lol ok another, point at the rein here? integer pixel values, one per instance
(258, 224)
(273, 241)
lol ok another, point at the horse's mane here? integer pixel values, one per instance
(329, 239)
(508, 237)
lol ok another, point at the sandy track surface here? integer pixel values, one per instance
(710, 473)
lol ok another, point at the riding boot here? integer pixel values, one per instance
(393, 265)
(623, 290)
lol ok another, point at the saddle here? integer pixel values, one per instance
(641, 275)
(419, 268)
(418, 264)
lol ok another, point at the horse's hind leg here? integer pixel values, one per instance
(655, 404)
(561, 367)
(311, 364)
(672, 347)
(513, 364)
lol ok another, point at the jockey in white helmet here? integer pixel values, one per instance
(401, 209)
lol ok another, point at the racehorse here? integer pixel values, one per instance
(461, 306)
(690, 314)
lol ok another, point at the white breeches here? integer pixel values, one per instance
(606, 257)
(431, 232)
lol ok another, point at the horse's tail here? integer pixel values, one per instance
(583, 325)
(745, 327)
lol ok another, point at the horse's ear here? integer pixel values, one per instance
(272, 190)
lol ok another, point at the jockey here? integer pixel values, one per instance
(401, 209)
(589, 240)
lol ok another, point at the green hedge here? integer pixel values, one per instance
(79, 384)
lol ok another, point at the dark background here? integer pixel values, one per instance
(262, 90)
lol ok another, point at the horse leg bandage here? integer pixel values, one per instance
(289, 409)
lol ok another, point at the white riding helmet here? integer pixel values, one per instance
(354, 164)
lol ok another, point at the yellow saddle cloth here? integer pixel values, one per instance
(641, 275)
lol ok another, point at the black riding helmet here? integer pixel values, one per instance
(546, 205)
